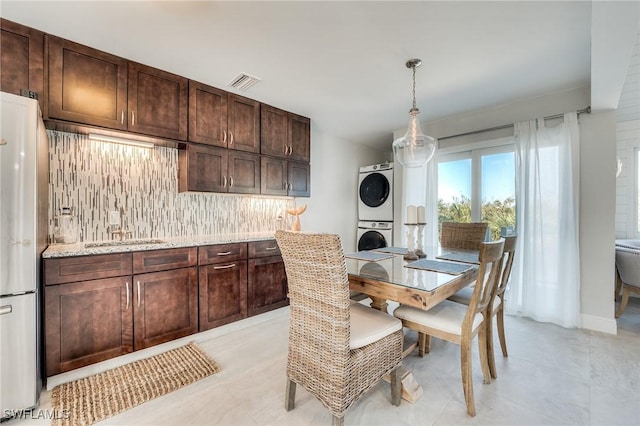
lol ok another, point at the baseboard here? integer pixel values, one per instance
(99, 367)
(603, 325)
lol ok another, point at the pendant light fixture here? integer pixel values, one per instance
(414, 149)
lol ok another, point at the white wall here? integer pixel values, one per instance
(333, 205)
(597, 220)
(597, 183)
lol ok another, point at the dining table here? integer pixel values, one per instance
(385, 275)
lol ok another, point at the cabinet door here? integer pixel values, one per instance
(87, 322)
(299, 138)
(207, 115)
(273, 176)
(202, 168)
(273, 131)
(299, 176)
(157, 102)
(22, 59)
(244, 172)
(267, 287)
(223, 293)
(86, 85)
(165, 306)
(244, 124)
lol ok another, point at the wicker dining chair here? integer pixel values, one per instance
(338, 349)
(458, 323)
(497, 305)
(463, 236)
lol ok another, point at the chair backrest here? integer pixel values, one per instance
(464, 236)
(488, 275)
(628, 265)
(509, 254)
(318, 293)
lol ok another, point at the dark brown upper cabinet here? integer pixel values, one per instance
(92, 87)
(22, 59)
(223, 119)
(213, 169)
(157, 102)
(282, 177)
(299, 137)
(86, 85)
(284, 134)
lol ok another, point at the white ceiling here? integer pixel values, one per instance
(343, 63)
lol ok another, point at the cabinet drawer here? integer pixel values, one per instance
(82, 268)
(161, 260)
(263, 249)
(222, 253)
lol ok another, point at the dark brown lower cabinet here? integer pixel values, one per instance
(223, 293)
(267, 288)
(165, 306)
(87, 322)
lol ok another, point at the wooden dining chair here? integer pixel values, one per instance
(463, 236)
(496, 307)
(458, 323)
(338, 349)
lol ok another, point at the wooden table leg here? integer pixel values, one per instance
(411, 390)
(379, 304)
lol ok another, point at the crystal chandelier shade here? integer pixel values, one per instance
(414, 149)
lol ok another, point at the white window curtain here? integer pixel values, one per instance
(545, 280)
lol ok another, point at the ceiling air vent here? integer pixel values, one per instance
(243, 81)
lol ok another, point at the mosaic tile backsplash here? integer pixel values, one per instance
(96, 177)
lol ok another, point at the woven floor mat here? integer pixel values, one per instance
(89, 400)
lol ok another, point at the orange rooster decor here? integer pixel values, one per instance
(297, 211)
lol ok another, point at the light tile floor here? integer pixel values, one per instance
(552, 376)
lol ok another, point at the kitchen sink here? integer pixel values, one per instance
(123, 243)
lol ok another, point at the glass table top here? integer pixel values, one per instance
(393, 270)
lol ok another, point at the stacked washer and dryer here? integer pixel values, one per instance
(375, 207)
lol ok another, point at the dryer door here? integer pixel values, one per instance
(374, 189)
(371, 240)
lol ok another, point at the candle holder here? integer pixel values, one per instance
(411, 254)
(420, 241)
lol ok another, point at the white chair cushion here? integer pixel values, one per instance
(464, 296)
(369, 325)
(446, 316)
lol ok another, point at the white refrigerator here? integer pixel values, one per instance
(23, 237)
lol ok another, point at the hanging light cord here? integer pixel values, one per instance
(413, 67)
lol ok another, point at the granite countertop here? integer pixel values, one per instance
(81, 249)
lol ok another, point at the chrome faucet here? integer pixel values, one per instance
(119, 230)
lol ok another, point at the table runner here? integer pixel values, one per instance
(440, 266)
(371, 256)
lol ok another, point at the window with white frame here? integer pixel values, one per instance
(477, 184)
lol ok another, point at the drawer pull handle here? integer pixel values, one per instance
(127, 283)
(225, 267)
(6, 309)
(122, 117)
(133, 118)
(224, 253)
(138, 294)
(224, 136)
(271, 248)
